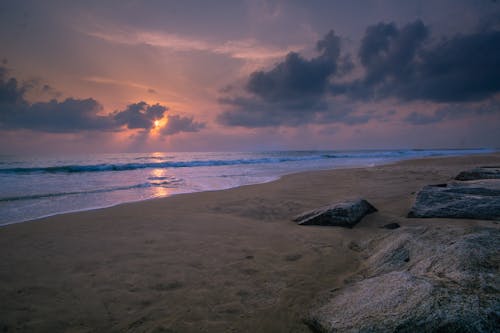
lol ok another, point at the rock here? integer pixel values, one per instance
(391, 226)
(472, 200)
(378, 304)
(451, 284)
(344, 214)
(486, 172)
(388, 256)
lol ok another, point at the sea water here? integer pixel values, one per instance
(34, 186)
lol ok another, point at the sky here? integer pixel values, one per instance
(151, 75)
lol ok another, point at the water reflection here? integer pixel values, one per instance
(160, 181)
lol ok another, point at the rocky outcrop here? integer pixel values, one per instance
(486, 172)
(344, 214)
(472, 200)
(420, 280)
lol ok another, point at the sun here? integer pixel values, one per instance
(158, 124)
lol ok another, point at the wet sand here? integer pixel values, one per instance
(220, 261)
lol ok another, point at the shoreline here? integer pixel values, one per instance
(215, 261)
(181, 193)
(278, 178)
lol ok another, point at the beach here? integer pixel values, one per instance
(214, 261)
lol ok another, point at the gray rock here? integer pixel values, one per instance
(472, 200)
(486, 172)
(451, 284)
(344, 214)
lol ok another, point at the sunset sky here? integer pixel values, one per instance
(132, 76)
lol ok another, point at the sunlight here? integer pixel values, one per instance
(158, 124)
(159, 176)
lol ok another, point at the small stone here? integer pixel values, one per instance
(293, 257)
(391, 226)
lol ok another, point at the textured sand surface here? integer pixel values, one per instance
(223, 261)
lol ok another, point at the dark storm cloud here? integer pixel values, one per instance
(403, 63)
(177, 124)
(388, 52)
(388, 55)
(291, 93)
(139, 115)
(297, 78)
(76, 115)
(463, 68)
(406, 64)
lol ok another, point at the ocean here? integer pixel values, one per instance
(34, 187)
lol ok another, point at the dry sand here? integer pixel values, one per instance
(222, 261)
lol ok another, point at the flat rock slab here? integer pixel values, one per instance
(486, 172)
(470, 200)
(343, 214)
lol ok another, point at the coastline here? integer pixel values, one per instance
(271, 179)
(215, 260)
(53, 186)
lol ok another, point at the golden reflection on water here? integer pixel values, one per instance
(160, 191)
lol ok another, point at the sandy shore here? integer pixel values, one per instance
(224, 261)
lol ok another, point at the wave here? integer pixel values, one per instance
(173, 183)
(159, 158)
(105, 167)
(152, 165)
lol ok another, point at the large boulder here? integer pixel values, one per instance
(486, 172)
(420, 280)
(344, 214)
(472, 200)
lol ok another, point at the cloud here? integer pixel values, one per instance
(297, 78)
(70, 115)
(452, 111)
(462, 68)
(247, 49)
(401, 63)
(58, 117)
(50, 91)
(77, 115)
(387, 52)
(404, 63)
(108, 81)
(139, 115)
(11, 94)
(291, 93)
(176, 124)
(254, 112)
